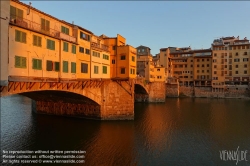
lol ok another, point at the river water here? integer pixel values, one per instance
(184, 131)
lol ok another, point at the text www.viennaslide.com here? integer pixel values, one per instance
(50, 157)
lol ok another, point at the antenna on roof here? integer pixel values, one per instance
(73, 22)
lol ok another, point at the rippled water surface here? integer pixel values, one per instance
(181, 131)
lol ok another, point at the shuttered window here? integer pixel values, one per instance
(73, 49)
(57, 66)
(104, 56)
(84, 68)
(73, 67)
(50, 44)
(65, 46)
(65, 66)
(122, 70)
(96, 69)
(16, 13)
(20, 36)
(81, 49)
(20, 62)
(87, 51)
(104, 69)
(37, 41)
(45, 25)
(37, 64)
(49, 66)
(64, 30)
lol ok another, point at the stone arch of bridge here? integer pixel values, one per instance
(140, 89)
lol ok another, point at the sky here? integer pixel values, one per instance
(156, 24)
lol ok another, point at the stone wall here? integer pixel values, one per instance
(157, 92)
(172, 90)
(118, 100)
(186, 91)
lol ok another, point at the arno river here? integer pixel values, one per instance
(183, 131)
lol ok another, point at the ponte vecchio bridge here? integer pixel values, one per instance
(103, 99)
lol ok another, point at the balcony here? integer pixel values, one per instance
(33, 26)
(100, 47)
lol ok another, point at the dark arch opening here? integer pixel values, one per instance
(141, 94)
(64, 104)
(49, 95)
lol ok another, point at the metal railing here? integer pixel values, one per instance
(31, 25)
(100, 46)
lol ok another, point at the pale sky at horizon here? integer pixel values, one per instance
(156, 24)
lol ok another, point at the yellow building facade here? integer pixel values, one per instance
(231, 58)
(83, 52)
(189, 67)
(41, 45)
(100, 58)
(122, 57)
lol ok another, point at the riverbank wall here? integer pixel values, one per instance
(174, 90)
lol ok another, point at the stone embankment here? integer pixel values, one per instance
(173, 90)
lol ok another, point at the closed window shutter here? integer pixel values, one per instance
(34, 40)
(17, 61)
(65, 66)
(57, 66)
(73, 67)
(49, 66)
(67, 31)
(47, 25)
(23, 37)
(18, 35)
(20, 14)
(33, 64)
(23, 62)
(12, 12)
(39, 41)
(39, 64)
(42, 24)
(53, 45)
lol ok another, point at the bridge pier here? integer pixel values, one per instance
(118, 100)
(157, 92)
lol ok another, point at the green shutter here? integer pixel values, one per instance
(57, 66)
(39, 43)
(34, 40)
(67, 31)
(39, 64)
(65, 66)
(23, 37)
(17, 61)
(53, 45)
(34, 64)
(23, 62)
(18, 36)
(104, 69)
(73, 67)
